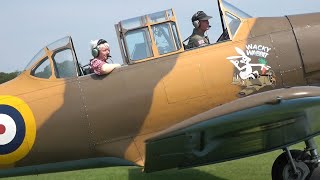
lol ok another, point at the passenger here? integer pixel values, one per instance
(200, 21)
(100, 51)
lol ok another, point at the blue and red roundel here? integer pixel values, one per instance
(12, 129)
(17, 129)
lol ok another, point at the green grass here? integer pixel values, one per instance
(251, 168)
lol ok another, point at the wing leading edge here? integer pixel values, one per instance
(293, 116)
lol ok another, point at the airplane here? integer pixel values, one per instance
(255, 90)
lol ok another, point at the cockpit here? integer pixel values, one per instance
(231, 18)
(149, 36)
(142, 38)
(156, 35)
(55, 61)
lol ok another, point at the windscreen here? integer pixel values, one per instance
(234, 10)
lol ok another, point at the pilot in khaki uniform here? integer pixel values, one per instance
(200, 21)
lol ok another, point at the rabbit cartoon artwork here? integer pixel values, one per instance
(246, 71)
(249, 76)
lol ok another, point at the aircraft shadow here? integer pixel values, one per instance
(185, 174)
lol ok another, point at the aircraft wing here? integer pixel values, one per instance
(245, 127)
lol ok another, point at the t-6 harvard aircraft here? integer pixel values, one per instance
(253, 91)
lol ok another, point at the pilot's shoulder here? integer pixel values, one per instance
(195, 37)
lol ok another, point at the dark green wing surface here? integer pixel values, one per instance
(278, 119)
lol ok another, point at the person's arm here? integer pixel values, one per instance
(107, 68)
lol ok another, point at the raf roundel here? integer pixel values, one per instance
(8, 129)
(17, 129)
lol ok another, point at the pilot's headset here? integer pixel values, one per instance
(95, 50)
(200, 15)
(195, 19)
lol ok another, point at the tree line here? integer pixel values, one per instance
(65, 70)
(4, 77)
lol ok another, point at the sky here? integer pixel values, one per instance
(28, 26)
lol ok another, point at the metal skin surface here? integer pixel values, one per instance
(184, 109)
(256, 126)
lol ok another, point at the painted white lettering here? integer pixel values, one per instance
(268, 49)
(250, 52)
(257, 50)
(264, 48)
(258, 53)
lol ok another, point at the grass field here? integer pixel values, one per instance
(251, 168)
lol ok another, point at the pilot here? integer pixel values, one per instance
(200, 21)
(100, 51)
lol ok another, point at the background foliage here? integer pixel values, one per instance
(4, 77)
